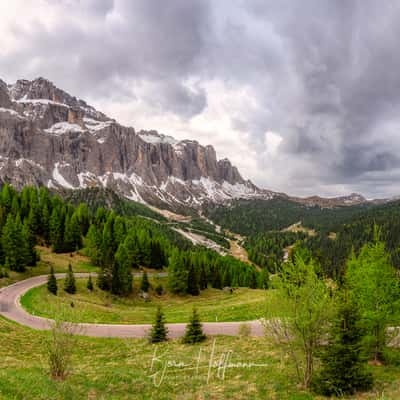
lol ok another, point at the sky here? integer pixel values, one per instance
(302, 96)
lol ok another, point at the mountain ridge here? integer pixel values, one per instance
(50, 138)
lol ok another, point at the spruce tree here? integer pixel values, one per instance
(203, 281)
(52, 282)
(177, 274)
(57, 230)
(192, 284)
(145, 284)
(121, 280)
(343, 361)
(194, 330)
(72, 234)
(159, 331)
(89, 284)
(13, 244)
(216, 282)
(69, 284)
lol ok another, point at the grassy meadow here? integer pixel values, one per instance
(101, 307)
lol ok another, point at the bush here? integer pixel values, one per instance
(59, 348)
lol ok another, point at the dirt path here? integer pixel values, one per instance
(10, 307)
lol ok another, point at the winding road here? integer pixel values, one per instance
(10, 307)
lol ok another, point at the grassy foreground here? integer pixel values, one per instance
(121, 369)
(101, 307)
(59, 262)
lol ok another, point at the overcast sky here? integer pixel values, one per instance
(302, 95)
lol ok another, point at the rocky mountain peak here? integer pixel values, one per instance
(48, 137)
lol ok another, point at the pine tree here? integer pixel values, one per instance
(121, 280)
(159, 331)
(192, 284)
(203, 282)
(145, 284)
(52, 282)
(28, 241)
(89, 284)
(72, 234)
(216, 282)
(69, 284)
(57, 230)
(226, 280)
(343, 361)
(194, 330)
(104, 279)
(177, 274)
(13, 244)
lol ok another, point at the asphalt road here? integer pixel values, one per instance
(10, 307)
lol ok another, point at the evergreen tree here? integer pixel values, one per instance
(177, 274)
(28, 240)
(145, 284)
(216, 280)
(121, 273)
(89, 284)
(158, 331)
(14, 245)
(69, 284)
(72, 234)
(57, 230)
(52, 282)
(45, 224)
(194, 330)
(103, 279)
(226, 279)
(192, 283)
(343, 362)
(93, 243)
(203, 282)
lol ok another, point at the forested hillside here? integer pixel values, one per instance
(338, 230)
(116, 243)
(250, 217)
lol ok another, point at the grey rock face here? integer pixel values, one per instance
(48, 137)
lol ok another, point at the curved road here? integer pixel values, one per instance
(10, 307)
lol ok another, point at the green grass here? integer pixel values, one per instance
(120, 369)
(101, 307)
(79, 262)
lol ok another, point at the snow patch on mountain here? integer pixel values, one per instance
(154, 138)
(58, 177)
(61, 128)
(9, 111)
(40, 101)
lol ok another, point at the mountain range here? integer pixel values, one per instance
(50, 138)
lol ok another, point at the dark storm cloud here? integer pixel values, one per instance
(322, 74)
